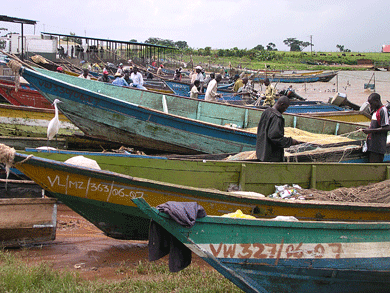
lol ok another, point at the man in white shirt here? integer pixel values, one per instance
(137, 78)
(211, 92)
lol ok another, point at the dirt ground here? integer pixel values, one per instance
(81, 247)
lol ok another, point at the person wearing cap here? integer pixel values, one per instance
(197, 75)
(159, 70)
(211, 92)
(119, 80)
(120, 69)
(104, 77)
(137, 78)
(60, 70)
(85, 74)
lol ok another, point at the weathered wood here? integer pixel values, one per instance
(287, 256)
(104, 197)
(135, 117)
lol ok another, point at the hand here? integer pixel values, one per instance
(295, 142)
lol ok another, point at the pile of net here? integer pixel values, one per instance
(371, 193)
(305, 136)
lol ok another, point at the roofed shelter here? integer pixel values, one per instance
(106, 49)
(22, 22)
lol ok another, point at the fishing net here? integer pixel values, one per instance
(314, 147)
(372, 193)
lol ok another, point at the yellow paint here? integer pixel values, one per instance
(121, 193)
(32, 115)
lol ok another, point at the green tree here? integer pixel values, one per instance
(259, 48)
(181, 44)
(207, 51)
(271, 47)
(342, 48)
(72, 39)
(161, 42)
(296, 45)
(133, 41)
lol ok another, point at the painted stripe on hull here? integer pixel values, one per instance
(294, 251)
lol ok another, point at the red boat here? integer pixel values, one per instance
(26, 95)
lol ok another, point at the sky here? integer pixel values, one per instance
(361, 26)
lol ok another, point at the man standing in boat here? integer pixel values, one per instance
(211, 92)
(377, 133)
(270, 94)
(271, 141)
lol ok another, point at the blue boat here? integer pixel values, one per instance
(261, 255)
(322, 76)
(169, 123)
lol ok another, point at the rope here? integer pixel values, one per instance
(15, 67)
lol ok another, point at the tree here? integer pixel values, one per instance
(133, 41)
(181, 44)
(271, 47)
(207, 51)
(72, 39)
(296, 45)
(342, 49)
(259, 48)
(161, 42)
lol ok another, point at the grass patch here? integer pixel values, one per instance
(17, 276)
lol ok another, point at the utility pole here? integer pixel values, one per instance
(311, 44)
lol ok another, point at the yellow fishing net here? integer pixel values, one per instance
(238, 214)
(305, 136)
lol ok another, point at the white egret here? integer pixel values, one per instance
(54, 124)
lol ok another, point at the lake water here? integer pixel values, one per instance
(348, 82)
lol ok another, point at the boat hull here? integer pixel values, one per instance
(100, 110)
(26, 221)
(25, 96)
(281, 256)
(116, 215)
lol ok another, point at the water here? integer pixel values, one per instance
(348, 82)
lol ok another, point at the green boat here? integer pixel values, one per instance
(103, 196)
(167, 123)
(261, 255)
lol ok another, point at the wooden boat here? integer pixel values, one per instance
(183, 89)
(26, 95)
(345, 116)
(287, 256)
(322, 76)
(149, 120)
(27, 221)
(104, 197)
(248, 175)
(23, 126)
(312, 108)
(25, 216)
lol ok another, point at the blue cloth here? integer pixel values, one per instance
(138, 86)
(184, 213)
(119, 81)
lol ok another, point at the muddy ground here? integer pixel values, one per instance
(81, 247)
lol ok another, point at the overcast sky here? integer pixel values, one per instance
(361, 26)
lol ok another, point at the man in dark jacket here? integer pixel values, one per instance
(271, 141)
(377, 132)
